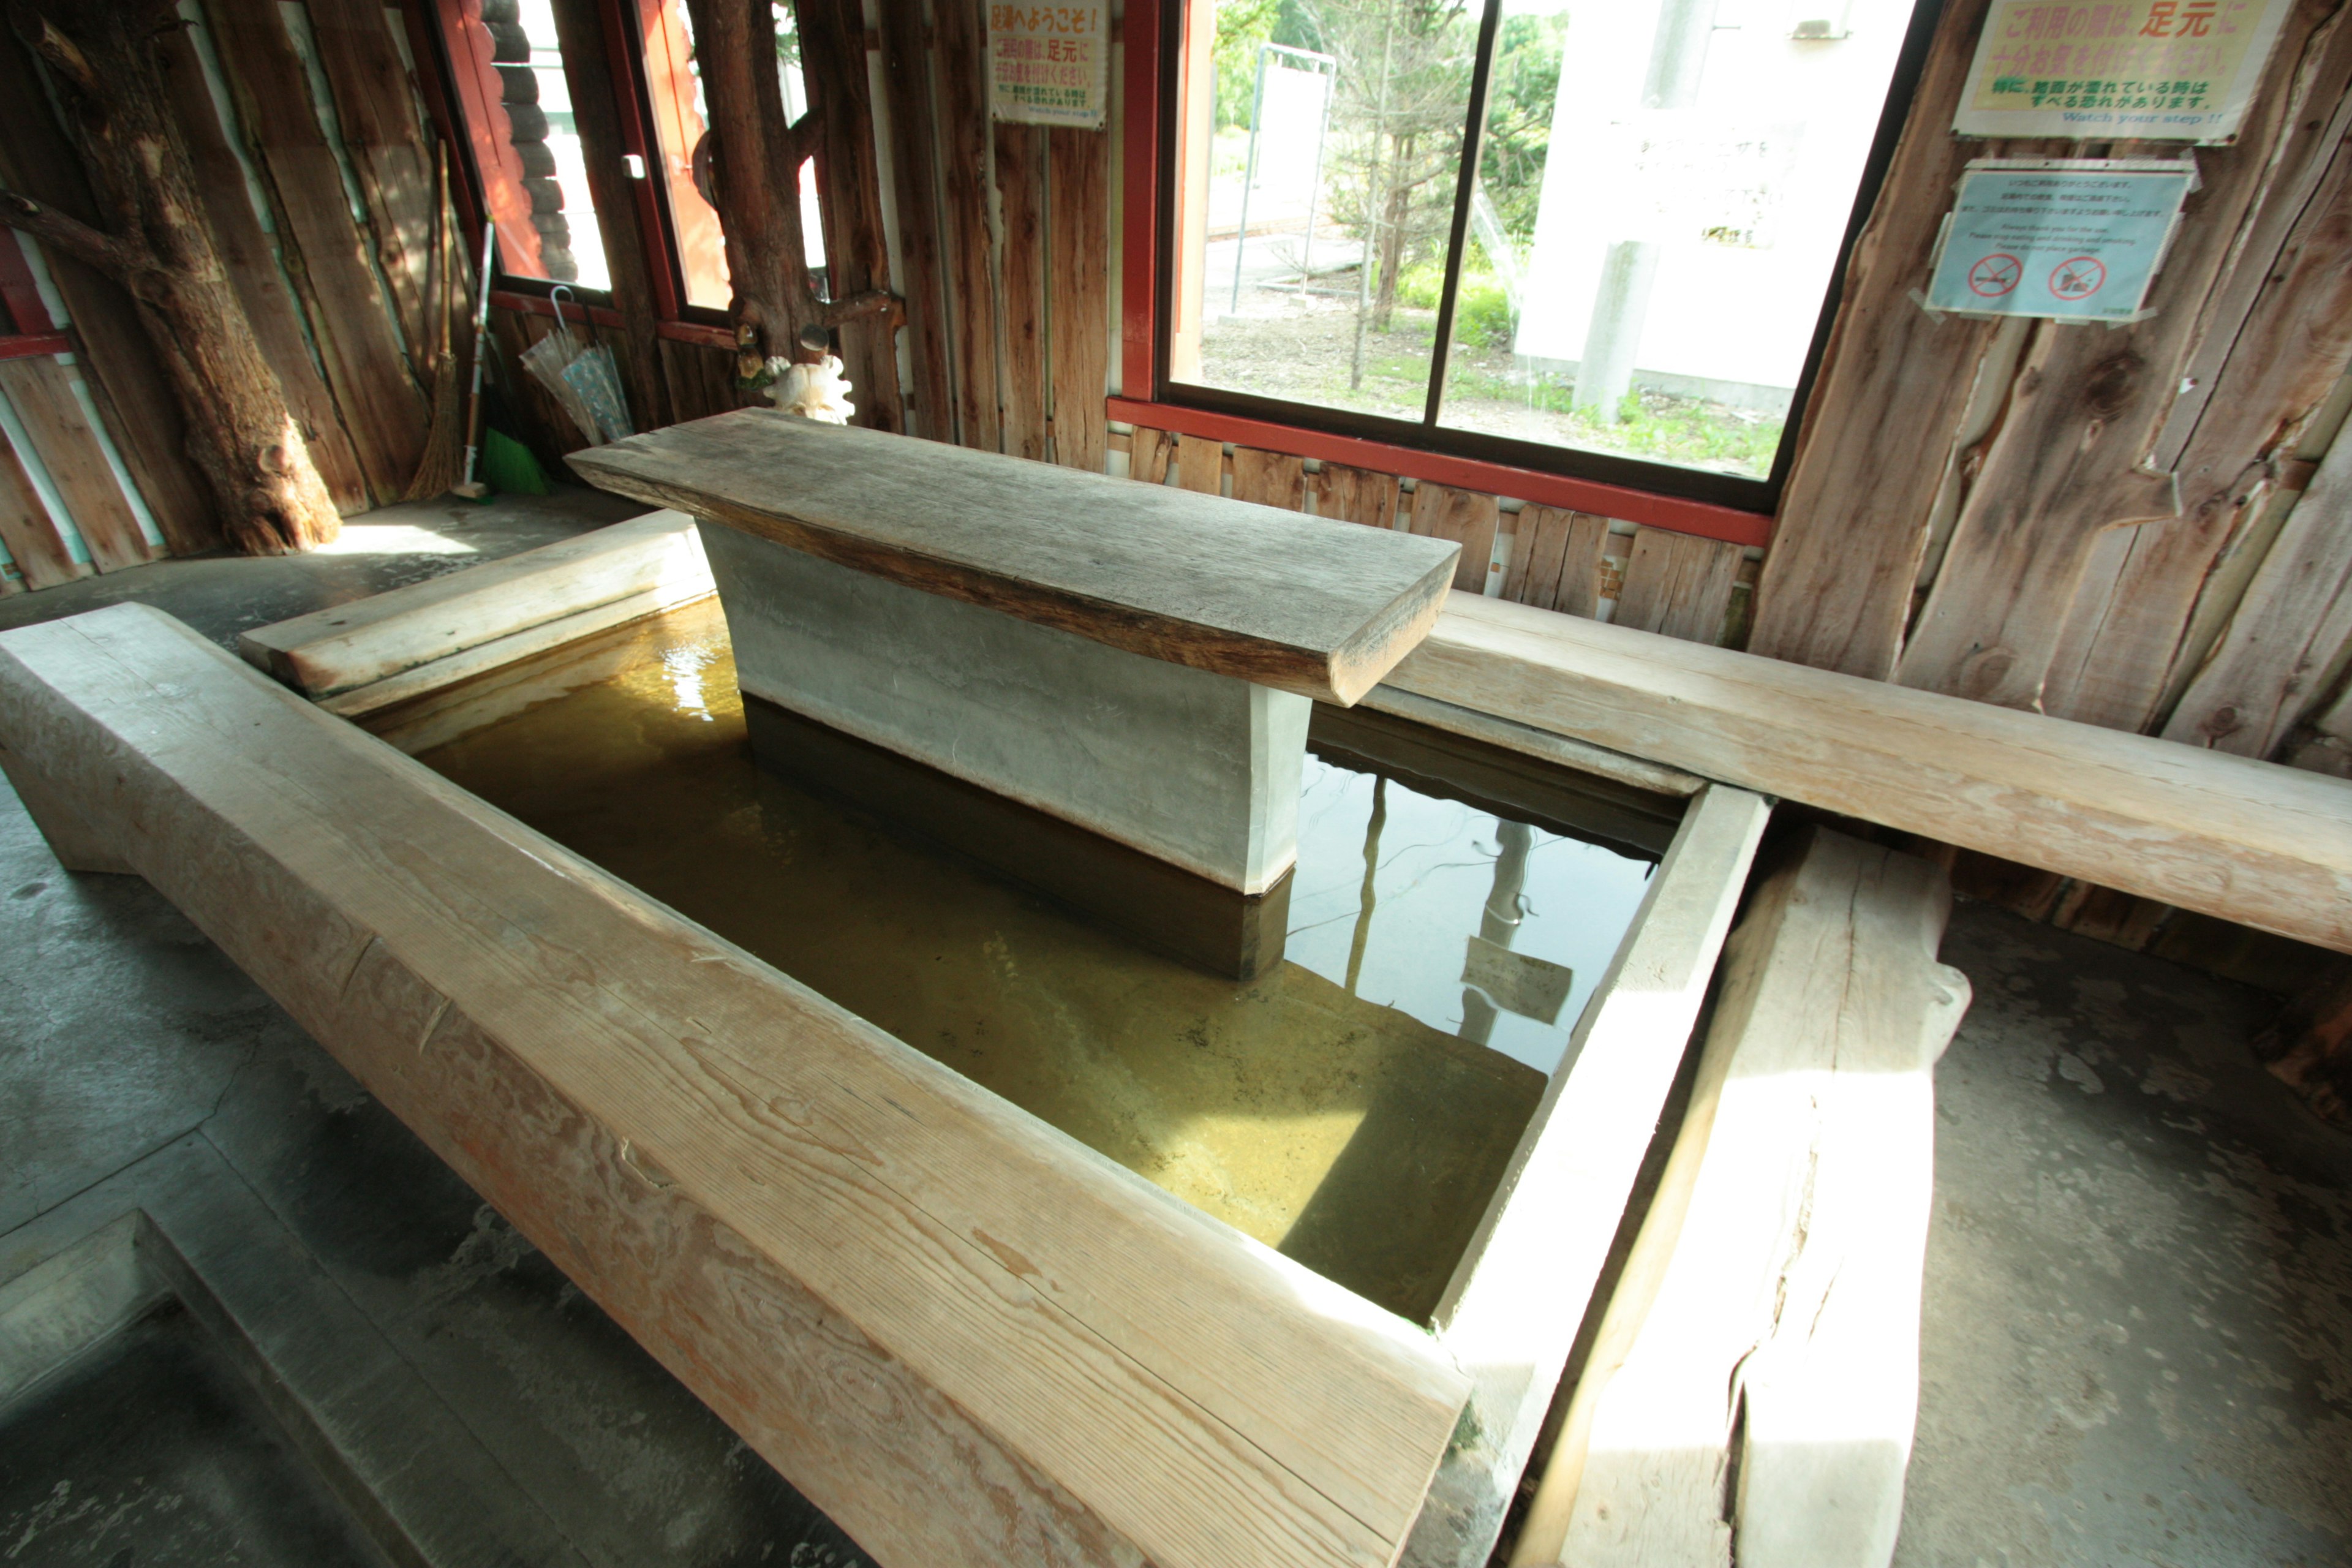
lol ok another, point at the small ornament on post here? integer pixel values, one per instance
(811, 383)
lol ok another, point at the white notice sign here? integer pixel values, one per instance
(2179, 70)
(1050, 65)
(2071, 240)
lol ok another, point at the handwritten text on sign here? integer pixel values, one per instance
(2075, 240)
(2178, 70)
(1050, 65)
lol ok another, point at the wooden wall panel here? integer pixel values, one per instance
(269, 305)
(958, 49)
(1270, 479)
(1077, 288)
(1357, 495)
(33, 541)
(1677, 585)
(906, 71)
(362, 351)
(389, 154)
(118, 358)
(1150, 455)
(41, 391)
(1441, 511)
(1021, 277)
(1201, 465)
(1555, 560)
(858, 258)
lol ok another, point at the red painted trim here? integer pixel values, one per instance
(36, 345)
(1138, 324)
(431, 79)
(700, 333)
(18, 291)
(1668, 512)
(604, 316)
(625, 48)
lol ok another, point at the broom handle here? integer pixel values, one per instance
(481, 329)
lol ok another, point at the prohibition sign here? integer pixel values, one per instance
(2078, 278)
(1995, 275)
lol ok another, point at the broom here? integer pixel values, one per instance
(444, 441)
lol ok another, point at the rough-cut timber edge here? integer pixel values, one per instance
(2253, 842)
(1772, 1297)
(968, 1338)
(1275, 597)
(2309, 1047)
(1511, 1315)
(1512, 736)
(359, 656)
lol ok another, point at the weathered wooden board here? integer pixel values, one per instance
(1768, 1314)
(1677, 585)
(377, 115)
(1270, 479)
(42, 393)
(1512, 1311)
(2247, 841)
(914, 165)
(959, 48)
(1555, 560)
(253, 269)
(362, 352)
(33, 541)
(1021, 281)
(1356, 495)
(127, 380)
(1101, 1348)
(1277, 598)
(1150, 455)
(857, 255)
(1201, 465)
(1078, 283)
(1836, 588)
(640, 567)
(1469, 519)
(2283, 643)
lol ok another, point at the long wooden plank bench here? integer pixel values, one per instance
(968, 1338)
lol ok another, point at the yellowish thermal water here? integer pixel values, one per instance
(1356, 1137)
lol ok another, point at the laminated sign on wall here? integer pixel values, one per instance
(2074, 239)
(1050, 65)
(2176, 70)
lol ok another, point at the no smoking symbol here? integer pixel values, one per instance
(1995, 275)
(2078, 278)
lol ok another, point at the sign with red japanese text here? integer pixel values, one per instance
(1049, 65)
(2074, 239)
(2180, 70)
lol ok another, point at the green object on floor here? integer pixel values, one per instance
(507, 466)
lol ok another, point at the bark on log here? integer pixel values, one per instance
(157, 244)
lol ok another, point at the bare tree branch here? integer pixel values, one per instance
(47, 40)
(76, 239)
(866, 302)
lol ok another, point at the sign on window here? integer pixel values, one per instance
(1050, 65)
(2072, 240)
(2180, 70)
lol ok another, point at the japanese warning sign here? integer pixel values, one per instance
(1050, 65)
(2162, 70)
(2072, 239)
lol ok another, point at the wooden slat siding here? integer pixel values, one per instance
(590, 77)
(389, 154)
(1020, 276)
(32, 538)
(383, 410)
(2288, 632)
(959, 58)
(41, 391)
(126, 378)
(1356, 495)
(1837, 586)
(2124, 647)
(700, 380)
(252, 265)
(1555, 560)
(907, 71)
(857, 255)
(2247, 841)
(1677, 585)
(1270, 479)
(1149, 454)
(1078, 286)
(1217, 1404)
(2088, 405)
(1201, 465)
(1469, 519)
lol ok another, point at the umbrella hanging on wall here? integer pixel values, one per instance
(583, 379)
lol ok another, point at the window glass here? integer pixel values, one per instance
(1653, 289)
(1333, 152)
(526, 147)
(681, 123)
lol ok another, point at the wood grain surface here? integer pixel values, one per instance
(1466, 517)
(1020, 164)
(1206, 1399)
(906, 76)
(1077, 285)
(1356, 495)
(42, 393)
(1275, 597)
(1677, 585)
(2252, 842)
(1270, 479)
(1555, 560)
(34, 542)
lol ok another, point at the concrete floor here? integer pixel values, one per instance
(2139, 1319)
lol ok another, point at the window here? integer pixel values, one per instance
(1631, 287)
(509, 72)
